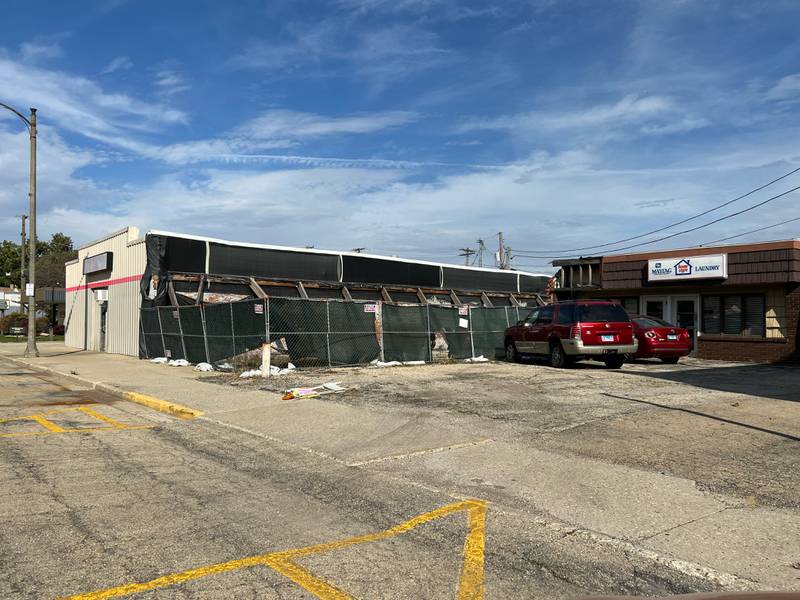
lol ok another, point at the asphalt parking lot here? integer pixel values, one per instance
(442, 481)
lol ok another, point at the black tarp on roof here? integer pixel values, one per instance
(175, 253)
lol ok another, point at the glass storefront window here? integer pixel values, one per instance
(734, 314)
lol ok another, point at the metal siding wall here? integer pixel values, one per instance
(124, 299)
(73, 319)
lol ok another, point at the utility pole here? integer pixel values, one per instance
(504, 253)
(481, 250)
(22, 249)
(31, 349)
(466, 253)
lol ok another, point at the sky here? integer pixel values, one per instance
(408, 127)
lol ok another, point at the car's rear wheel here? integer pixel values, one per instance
(614, 362)
(511, 352)
(558, 359)
(670, 360)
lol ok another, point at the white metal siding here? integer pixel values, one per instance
(124, 299)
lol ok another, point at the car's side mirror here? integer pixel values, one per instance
(520, 323)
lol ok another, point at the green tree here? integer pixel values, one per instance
(9, 264)
(50, 270)
(51, 256)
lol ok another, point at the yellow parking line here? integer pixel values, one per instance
(471, 582)
(49, 425)
(306, 580)
(101, 417)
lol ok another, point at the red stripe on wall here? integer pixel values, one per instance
(106, 283)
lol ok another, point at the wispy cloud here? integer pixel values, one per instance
(379, 57)
(81, 105)
(120, 63)
(630, 109)
(279, 128)
(169, 81)
(32, 52)
(787, 88)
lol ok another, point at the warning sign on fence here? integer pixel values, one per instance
(463, 310)
(370, 308)
(259, 308)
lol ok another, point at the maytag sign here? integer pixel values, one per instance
(688, 267)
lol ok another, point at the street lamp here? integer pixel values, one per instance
(31, 349)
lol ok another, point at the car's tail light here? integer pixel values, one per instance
(685, 335)
(575, 332)
(649, 334)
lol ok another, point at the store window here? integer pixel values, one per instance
(734, 314)
(629, 303)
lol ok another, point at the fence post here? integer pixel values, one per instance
(328, 329)
(471, 341)
(233, 331)
(508, 323)
(430, 346)
(266, 320)
(379, 319)
(205, 335)
(161, 331)
(144, 337)
(180, 329)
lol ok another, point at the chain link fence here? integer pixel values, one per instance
(325, 333)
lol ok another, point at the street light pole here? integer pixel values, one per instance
(23, 248)
(31, 349)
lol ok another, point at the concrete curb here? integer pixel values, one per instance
(180, 411)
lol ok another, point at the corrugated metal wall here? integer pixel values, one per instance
(122, 318)
(74, 316)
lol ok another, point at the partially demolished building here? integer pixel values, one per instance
(122, 290)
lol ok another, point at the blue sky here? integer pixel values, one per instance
(410, 127)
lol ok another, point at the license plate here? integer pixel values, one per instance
(672, 337)
(610, 351)
(606, 338)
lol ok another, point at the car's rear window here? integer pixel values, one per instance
(648, 322)
(601, 313)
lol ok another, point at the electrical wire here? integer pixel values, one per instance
(670, 226)
(676, 234)
(731, 237)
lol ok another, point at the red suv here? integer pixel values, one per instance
(570, 331)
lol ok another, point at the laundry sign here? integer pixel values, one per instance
(712, 266)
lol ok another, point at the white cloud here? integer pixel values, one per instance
(787, 88)
(278, 129)
(289, 124)
(81, 105)
(31, 52)
(120, 63)
(631, 109)
(683, 125)
(170, 82)
(379, 57)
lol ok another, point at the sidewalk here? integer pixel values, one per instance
(664, 517)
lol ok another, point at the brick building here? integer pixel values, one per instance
(741, 302)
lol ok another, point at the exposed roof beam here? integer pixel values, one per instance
(260, 293)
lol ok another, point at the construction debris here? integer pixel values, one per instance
(161, 360)
(203, 366)
(313, 392)
(180, 362)
(476, 359)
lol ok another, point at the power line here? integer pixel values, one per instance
(731, 237)
(670, 226)
(676, 234)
